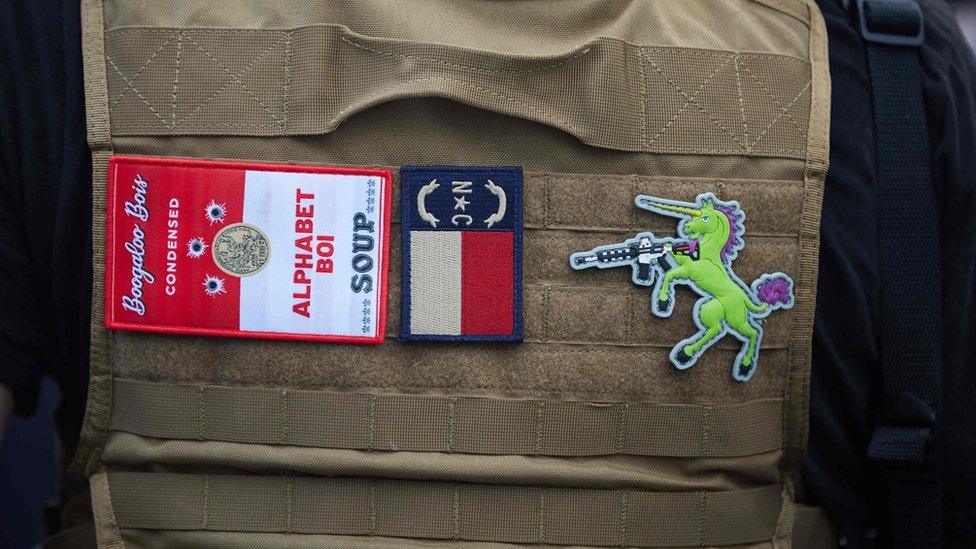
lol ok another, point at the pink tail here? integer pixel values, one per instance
(775, 290)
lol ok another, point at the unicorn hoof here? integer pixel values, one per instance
(683, 357)
(744, 370)
(663, 304)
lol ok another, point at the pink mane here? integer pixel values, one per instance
(736, 228)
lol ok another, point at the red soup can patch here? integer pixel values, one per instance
(247, 250)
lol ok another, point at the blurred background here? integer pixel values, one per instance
(28, 473)
(966, 15)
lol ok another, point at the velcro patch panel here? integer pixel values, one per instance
(462, 253)
(247, 250)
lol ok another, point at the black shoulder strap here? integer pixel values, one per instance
(911, 277)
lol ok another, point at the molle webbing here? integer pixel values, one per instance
(98, 125)
(422, 423)
(308, 80)
(442, 510)
(604, 312)
(576, 323)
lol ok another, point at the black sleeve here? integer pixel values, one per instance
(950, 96)
(845, 379)
(845, 393)
(44, 204)
(21, 365)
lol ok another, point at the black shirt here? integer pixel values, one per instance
(45, 250)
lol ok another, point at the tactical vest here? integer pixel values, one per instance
(502, 392)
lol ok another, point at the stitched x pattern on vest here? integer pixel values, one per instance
(744, 124)
(246, 81)
(199, 76)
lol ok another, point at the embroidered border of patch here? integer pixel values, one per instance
(249, 250)
(462, 253)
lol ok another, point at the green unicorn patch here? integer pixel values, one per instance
(712, 236)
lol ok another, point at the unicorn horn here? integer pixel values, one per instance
(654, 205)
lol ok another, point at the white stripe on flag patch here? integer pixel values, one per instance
(435, 282)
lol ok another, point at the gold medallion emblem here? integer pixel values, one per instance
(241, 249)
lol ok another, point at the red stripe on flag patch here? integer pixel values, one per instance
(487, 283)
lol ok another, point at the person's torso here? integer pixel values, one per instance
(559, 287)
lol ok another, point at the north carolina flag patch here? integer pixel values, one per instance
(462, 253)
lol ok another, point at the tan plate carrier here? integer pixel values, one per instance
(583, 435)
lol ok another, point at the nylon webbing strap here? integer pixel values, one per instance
(447, 511)
(910, 255)
(424, 423)
(308, 80)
